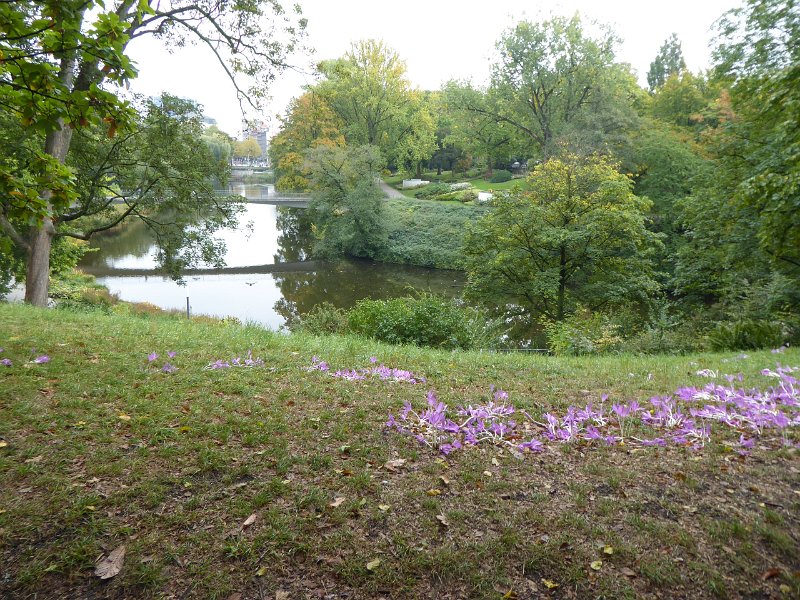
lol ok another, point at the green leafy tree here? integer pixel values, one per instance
(669, 61)
(346, 202)
(369, 92)
(417, 143)
(475, 127)
(553, 83)
(683, 99)
(59, 57)
(247, 149)
(309, 122)
(743, 225)
(577, 235)
(158, 170)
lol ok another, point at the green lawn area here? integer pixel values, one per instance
(278, 481)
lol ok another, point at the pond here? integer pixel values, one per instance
(268, 274)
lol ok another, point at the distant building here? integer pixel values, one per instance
(260, 133)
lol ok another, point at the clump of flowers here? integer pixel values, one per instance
(489, 422)
(38, 360)
(238, 361)
(166, 367)
(376, 371)
(683, 419)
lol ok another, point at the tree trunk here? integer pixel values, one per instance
(419, 169)
(37, 276)
(40, 240)
(562, 283)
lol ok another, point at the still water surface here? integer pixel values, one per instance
(267, 235)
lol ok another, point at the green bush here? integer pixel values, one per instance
(747, 335)
(79, 292)
(323, 319)
(584, 332)
(500, 176)
(426, 320)
(432, 190)
(469, 196)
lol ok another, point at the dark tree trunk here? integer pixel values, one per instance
(562, 283)
(40, 239)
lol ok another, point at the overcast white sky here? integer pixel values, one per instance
(439, 40)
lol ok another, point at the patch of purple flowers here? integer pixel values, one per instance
(167, 367)
(381, 372)
(683, 418)
(247, 361)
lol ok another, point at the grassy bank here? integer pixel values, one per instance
(101, 448)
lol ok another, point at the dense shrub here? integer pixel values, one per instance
(324, 318)
(433, 189)
(584, 332)
(426, 320)
(469, 196)
(500, 176)
(746, 335)
(79, 292)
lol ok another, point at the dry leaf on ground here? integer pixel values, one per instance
(111, 565)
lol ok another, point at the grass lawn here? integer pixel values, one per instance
(275, 481)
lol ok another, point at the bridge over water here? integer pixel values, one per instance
(266, 194)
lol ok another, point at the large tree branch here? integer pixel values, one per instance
(12, 233)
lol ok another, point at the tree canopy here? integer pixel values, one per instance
(576, 235)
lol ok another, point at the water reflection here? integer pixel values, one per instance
(267, 235)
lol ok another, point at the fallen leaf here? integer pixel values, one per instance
(111, 565)
(124, 417)
(394, 465)
(608, 550)
(628, 572)
(235, 596)
(443, 520)
(261, 572)
(510, 595)
(495, 462)
(373, 564)
(282, 595)
(444, 480)
(34, 460)
(3, 444)
(550, 585)
(770, 573)
(147, 559)
(384, 507)
(487, 473)
(596, 565)
(785, 589)
(249, 521)
(433, 492)
(338, 502)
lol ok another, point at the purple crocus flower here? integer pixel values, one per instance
(373, 359)
(534, 446)
(5, 362)
(168, 368)
(41, 359)
(152, 356)
(171, 354)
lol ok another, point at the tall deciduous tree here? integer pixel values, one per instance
(346, 201)
(743, 226)
(476, 127)
(59, 57)
(577, 235)
(553, 82)
(668, 61)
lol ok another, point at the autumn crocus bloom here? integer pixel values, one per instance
(41, 359)
(5, 362)
(152, 356)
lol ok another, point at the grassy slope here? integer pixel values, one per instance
(101, 452)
